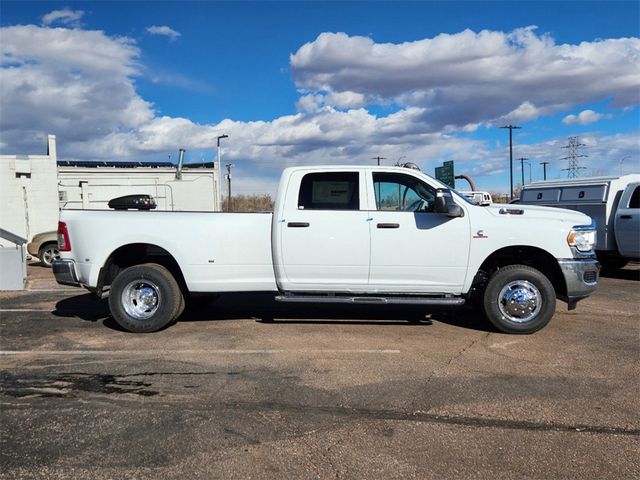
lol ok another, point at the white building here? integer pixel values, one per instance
(34, 187)
(29, 193)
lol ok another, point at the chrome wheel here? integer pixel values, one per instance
(49, 255)
(520, 301)
(140, 299)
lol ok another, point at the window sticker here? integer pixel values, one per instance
(330, 192)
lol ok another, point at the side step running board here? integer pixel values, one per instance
(371, 300)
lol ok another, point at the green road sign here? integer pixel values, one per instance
(445, 174)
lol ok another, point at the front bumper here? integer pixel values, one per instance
(65, 272)
(581, 277)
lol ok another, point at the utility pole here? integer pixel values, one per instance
(544, 166)
(228, 176)
(522, 160)
(378, 158)
(219, 195)
(621, 162)
(511, 128)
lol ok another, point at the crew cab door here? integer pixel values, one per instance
(414, 249)
(627, 222)
(323, 235)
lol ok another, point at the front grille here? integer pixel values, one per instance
(590, 277)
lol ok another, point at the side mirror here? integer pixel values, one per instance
(441, 201)
(455, 211)
(445, 205)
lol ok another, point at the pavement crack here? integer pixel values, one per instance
(464, 349)
(425, 417)
(457, 355)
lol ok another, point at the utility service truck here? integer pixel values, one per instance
(361, 235)
(612, 202)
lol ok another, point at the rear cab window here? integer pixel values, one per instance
(329, 191)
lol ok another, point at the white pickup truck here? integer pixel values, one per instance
(366, 235)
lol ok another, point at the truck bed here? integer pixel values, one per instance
(218, 252)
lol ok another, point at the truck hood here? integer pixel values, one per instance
(540, 213)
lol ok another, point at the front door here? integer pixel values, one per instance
(627, 222)
(414, 249)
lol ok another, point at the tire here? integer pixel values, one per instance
(519, 299)
(48, 253)
(145, 298)
(611, 262)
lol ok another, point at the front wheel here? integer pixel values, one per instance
(519, 299)
(145, 298)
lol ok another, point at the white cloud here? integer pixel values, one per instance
(66, 16)
(315, 102)
(310, 103)
(164, 30)
(76, 83)
(468, 77)
(585, 117)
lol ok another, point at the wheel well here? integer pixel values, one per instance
(46, 244)
(534, 257)
(137, 254)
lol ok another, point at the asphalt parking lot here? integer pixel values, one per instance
(248, 388)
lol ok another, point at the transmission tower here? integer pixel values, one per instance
(573, 148)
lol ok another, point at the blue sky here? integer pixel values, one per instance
(239, 68)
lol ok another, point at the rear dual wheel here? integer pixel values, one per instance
(519, 299)
(145, 298)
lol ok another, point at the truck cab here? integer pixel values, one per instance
(367, 230)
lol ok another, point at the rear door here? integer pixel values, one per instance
(323, 233)
(627, 222)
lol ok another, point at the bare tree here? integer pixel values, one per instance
(250, 203)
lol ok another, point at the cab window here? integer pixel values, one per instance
(402, 193)
(634, 201)
(329, 191)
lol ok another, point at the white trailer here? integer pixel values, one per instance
(90, 185)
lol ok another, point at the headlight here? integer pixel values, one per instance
(583, 237)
